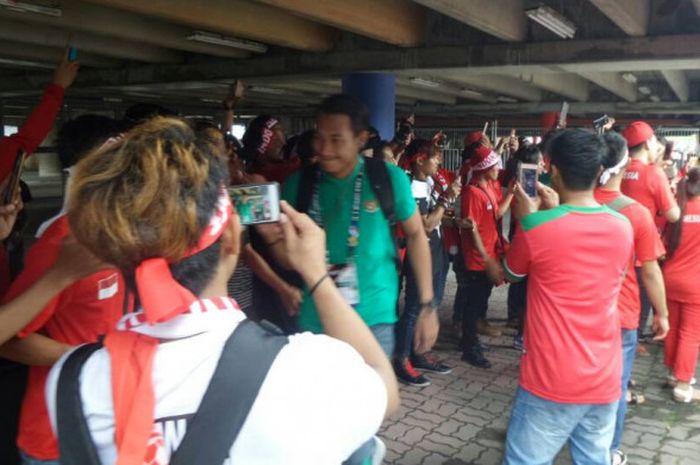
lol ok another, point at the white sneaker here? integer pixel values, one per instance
(619, 458)
(684, 396)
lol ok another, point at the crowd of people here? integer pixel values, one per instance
(158, 329)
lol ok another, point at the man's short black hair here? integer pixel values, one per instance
(616, 147)
(345, 104)
(77, 137)
(578, 155)
(141, 112)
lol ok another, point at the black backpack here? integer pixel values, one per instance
(244, 363)
(380, 180)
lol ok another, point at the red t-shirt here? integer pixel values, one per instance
(80, 313)
(278, 172)
(682, 270)
(480, 204)
(647, 247)
(648, 185)
(575, 259)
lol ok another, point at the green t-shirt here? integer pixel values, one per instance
(375, 253)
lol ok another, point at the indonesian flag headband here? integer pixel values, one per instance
(488, 161)
(161, 296)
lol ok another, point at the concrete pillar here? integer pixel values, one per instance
(378, 91)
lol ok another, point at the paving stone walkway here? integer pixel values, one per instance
(462, 418)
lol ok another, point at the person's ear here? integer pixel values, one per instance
(231, 237)
(362, 138)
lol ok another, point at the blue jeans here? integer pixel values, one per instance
(645, 302)
(629, 352)
(27, 460)
(386, 336)
(539, 428)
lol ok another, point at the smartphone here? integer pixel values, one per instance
(257, 203)
(527, 177)
(237, 89)
(72, 53)
(599, 123)
(563, 113)
(10, 193)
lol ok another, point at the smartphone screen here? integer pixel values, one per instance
(527, 177)
(257, 203)
(10, 192)
(72, 53)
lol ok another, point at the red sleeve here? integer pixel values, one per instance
(516, 264)
(39, 259)
(647, 242)
(33, 131)
(663, 197)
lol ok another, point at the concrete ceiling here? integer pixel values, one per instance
(451, 57)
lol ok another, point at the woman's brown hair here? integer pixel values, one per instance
(148, 195)
(688, 188)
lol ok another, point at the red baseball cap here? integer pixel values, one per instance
(637, 133)
(473, 137)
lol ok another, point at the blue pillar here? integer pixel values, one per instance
(378, 91)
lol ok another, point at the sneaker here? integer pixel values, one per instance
(430, 363)
(619, 458)
(518, 343)
(407, 374)
(672, 381)
(484, 328)
(475, 356)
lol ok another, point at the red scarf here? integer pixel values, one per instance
(162, 299)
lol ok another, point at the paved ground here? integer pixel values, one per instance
(462, 418)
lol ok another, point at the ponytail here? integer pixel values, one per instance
(688, 188)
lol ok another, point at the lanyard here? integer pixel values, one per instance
(354, 229)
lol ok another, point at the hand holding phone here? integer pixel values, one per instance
(527, 178)
(257, 203)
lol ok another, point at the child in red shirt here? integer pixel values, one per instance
(482, 203)
(683, 293)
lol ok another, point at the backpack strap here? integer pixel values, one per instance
(621, 202)
(307, 180)
(74, 440)
(383, 189)
(245, 361)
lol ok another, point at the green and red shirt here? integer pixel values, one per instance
(575, 259)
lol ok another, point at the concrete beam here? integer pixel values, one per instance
(79, 16)
(678, 82)
(632, 16)
(238, 18)
(504, 19)
(11, 29)
(398, 22)
(634, 53)
(613, 82)
(49, 55)
(567, 85)
(580, 108)
(500, 85)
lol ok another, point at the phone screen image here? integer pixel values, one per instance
(72, 54)
(256, 203)
(527, 176)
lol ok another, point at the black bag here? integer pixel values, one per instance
(244, 363)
